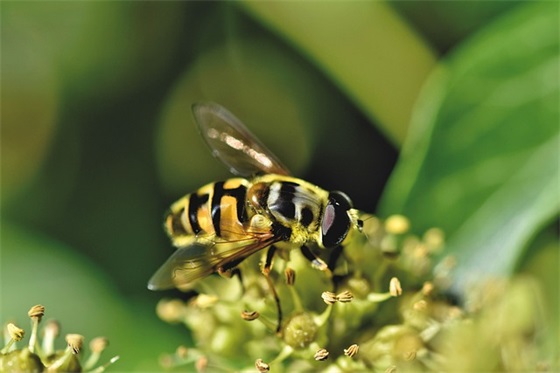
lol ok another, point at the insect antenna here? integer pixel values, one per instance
(361, 224)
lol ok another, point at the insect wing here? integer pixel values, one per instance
(191, 255)
(233, 144)
(202, 258)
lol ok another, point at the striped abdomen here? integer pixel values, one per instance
(216, 208)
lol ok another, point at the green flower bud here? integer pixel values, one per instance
(47, 359)
(299, 331)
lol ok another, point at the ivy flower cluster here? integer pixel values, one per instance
(40, 355)
(383, 307)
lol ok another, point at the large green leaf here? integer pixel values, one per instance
(482, 157)
(364, 47)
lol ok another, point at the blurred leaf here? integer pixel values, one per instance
(111, 63)
(116, 48)
(364, 47)
(262, 86)
(291, 106)
(482, 158)
(37, 270)
(30, 99)
(459, 19)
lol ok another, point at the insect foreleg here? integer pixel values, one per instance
(335, 255)
(316, 262)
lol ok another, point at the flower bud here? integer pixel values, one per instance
(352, 350)
(345, 297)
(290, 276)
(397, 224)
(250, 315)
(14, 332)
(300, 331)
(395, 287)
(329, 297)
(261, 366)
(321, 355)
(75, 342)
(37, 311)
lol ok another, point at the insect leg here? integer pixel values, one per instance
(268, 262)
(230, 270)
(266, 272)
(237, 272)
(333, 258)
(316, 262)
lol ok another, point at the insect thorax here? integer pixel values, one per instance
(291, 202)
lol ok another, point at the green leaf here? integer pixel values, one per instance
(29, 80)
(364, 47)
(260, 79)
(481, 161)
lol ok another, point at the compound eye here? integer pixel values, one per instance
(336, 221)
(341, 199)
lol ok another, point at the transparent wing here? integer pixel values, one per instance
(203, 257)
(233, 144)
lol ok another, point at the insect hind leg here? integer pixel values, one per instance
(267, 266)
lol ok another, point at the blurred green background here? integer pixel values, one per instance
(446, 112)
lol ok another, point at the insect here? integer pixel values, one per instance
(216, 227)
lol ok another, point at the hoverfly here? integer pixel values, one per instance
(222, 223)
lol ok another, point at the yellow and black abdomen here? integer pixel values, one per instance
(215, 209)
